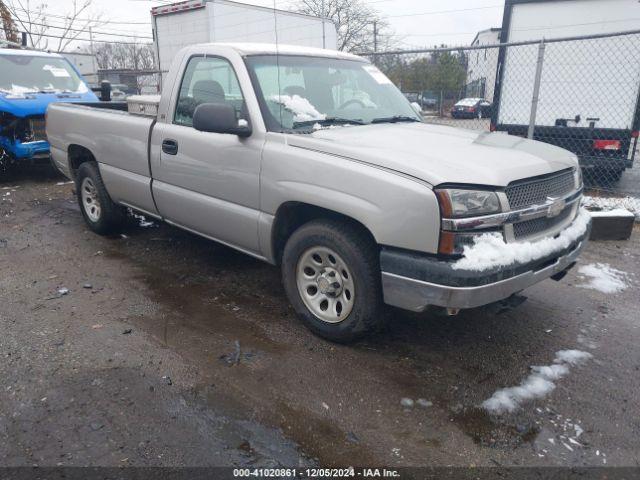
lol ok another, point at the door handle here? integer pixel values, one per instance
(170, 147)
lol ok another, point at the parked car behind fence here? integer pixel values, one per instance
(472, 108)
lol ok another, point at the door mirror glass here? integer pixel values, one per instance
(219, 118)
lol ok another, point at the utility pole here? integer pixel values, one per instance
(135, 53)
(322, 15)
(375, 42)
(93, 52)
(536, 90)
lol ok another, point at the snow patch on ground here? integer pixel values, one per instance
(616, 212)
(572, 357)
(490, 250)
(631, 204)
(537, 385)
(301, 108)
(142, 220)
(603, 277)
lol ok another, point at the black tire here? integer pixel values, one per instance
(111, 217)
(361, 255)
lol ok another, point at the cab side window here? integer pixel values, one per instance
(207, 80)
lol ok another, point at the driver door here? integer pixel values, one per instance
(209, 182)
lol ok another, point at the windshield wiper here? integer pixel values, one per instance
(395, 119)
(328, 121)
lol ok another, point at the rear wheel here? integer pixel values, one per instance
(332, 277)
(100, 213)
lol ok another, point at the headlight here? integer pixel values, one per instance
(460, 203)
(463, 203)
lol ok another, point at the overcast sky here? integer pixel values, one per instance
(415, 22)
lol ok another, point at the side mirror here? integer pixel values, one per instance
(416, 107)
(219, 118)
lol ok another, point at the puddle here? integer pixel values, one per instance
(202, 321)
(209, 297)
(324, 438)
(195, 306)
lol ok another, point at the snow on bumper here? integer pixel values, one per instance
(491, 270)
(491, 251)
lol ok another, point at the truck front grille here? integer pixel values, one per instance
(534, 191)
(37, 127)
(530, 228)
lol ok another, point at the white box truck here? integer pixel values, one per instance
(203, 21)
(589, 93)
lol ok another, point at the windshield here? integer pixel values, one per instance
(20, 74)
(302, 94)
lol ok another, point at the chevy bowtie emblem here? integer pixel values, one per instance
(556, 206)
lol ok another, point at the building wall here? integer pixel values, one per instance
(86, 64)
(482, 65)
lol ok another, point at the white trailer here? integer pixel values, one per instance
(201, 21)
(589, 91)
(85, 63)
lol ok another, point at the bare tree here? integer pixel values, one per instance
(9, 30)
(359, 26)
(33, 19)
(134, 56)
(137, 57)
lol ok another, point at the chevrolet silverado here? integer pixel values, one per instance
(313, 160)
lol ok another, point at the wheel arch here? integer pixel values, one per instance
(292, 215)
(78, 154)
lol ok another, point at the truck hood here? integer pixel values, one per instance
(440, 154)
(36, 103)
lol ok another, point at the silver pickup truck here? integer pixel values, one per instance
(313, 160)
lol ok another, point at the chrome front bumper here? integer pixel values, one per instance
(416, 294)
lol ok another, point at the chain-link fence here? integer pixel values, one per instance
(579, 93)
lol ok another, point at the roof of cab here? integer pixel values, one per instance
(273, 49)
(28, 53)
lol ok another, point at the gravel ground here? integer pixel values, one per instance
(172, 350)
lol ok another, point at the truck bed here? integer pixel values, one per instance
(118, 141)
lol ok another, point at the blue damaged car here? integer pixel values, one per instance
(29, 82)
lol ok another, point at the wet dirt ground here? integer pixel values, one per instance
(169, 349)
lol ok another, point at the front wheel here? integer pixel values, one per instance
(331, 275)
(100, 213)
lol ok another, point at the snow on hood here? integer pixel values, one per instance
(301, 108)
(19, 91)
(439, 154)
(36, 103)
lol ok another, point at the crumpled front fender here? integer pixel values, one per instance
(19, 150)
